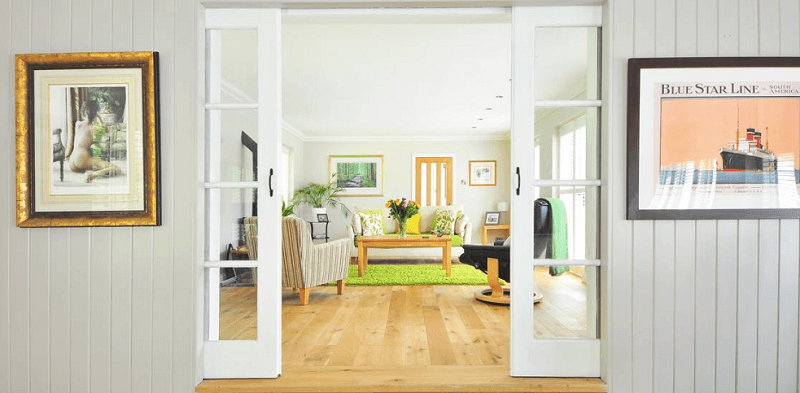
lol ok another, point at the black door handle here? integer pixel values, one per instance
(519, 180)
(270, 183)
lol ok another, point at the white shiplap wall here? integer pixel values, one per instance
(102, 309)
(699, 306)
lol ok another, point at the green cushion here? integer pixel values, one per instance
(455, 240)
(380, 212)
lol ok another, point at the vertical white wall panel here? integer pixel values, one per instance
(747, 307)
(620, 378)
(642, 330)
(183, 260)
(727, 296)
(767, 360)
(79, 326)
(725, 293)
(7, 195)
(18, 250)
(663, 247)
(787, 307)
(685, 277)
(164, 20)
(705, 306)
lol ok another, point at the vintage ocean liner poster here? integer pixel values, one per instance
(718, 139)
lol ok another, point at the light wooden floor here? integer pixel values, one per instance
(415, 338)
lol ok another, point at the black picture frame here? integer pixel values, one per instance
(701, 79)
(322, 217)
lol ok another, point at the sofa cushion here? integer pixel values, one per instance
(445, 220)
(429, 212)
(371, 223)
(412, 226)
(389, 224)
(461, 222)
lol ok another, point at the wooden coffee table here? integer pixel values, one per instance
(365, 242)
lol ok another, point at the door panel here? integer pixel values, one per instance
(241, 158)
(554, 154)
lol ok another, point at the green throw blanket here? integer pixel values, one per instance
(560, 235)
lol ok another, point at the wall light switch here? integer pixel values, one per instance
(463, 182)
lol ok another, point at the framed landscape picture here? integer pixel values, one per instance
(713, 138)
(483, 173)
(87, 139)
(357, 175)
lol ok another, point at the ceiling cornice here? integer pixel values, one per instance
(294, 131)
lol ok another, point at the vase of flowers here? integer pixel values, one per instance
(401, 210)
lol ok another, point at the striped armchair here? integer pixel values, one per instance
(306, 264)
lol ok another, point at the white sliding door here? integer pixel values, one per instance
(241, 156)
(555, 154)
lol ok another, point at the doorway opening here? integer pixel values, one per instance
(398, 86)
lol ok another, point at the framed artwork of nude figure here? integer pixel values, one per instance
(87, 139)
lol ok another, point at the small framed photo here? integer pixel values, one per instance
(483, 173)
(322, 217)
(492, 218)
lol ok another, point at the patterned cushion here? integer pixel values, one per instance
(445, 220)
(372, 223)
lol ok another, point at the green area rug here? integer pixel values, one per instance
(386, 275)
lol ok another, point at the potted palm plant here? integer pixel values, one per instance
(321, 196)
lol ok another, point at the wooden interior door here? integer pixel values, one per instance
(434, 181)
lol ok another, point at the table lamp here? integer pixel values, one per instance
(502, 207)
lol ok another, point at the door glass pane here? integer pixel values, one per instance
(566, 145)
(232, 72)
(232, 307)
(568, 233)
(567, 63)
(227, 220)
(568, 305)
(229, 157)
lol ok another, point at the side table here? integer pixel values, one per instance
(504, 227)
(319, 235)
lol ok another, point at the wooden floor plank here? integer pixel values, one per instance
(441, 350)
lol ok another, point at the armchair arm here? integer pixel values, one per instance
(328, 262)
(467, 233)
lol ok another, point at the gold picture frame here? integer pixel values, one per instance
(483, 173)
(87, 139)
(369, 183)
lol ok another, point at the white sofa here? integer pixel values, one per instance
(463, 229)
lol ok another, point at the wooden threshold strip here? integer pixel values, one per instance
(449, 378)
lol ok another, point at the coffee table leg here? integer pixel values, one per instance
(361, 260)
(446, 259)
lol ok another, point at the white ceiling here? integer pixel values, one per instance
(414, 77)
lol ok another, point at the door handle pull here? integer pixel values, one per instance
(519, 180)
(270, 183)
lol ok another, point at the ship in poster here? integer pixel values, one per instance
(748, 154)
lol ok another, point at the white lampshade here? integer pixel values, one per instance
(502, 206)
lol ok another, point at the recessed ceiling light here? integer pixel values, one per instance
(474, 127)
(480, 119)
(488, 109)
(498, 96)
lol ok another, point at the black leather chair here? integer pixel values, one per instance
(495, 260)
